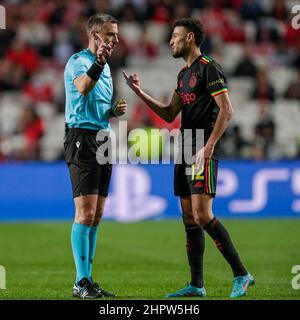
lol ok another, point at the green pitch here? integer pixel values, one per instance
(147, 260)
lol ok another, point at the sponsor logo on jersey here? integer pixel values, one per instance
(193, 81)
(220, 80)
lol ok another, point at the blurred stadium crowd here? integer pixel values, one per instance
(252, 39)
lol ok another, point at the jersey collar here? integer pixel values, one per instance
(90, 52)
(186, 67)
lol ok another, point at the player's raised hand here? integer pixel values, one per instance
(104, 50)
(133, 82)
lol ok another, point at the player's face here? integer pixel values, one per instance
(178, 42)
(109, 33)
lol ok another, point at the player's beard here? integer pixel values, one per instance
(180, 53)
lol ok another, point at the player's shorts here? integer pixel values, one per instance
(87, 175)
(187, 180)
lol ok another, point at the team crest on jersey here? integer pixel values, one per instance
(193, 81)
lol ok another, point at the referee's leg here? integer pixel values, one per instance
(85, 209)
(85, 212)
(94, 231)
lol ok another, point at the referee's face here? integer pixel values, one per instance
(178, 42)
(109, 33)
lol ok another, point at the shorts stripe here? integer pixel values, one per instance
(212, 175)
(205, 176)
(196, 182)
(208, 176)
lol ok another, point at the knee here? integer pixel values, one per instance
(98, 217)
(205, 218)
(86, 216)
(190, 219)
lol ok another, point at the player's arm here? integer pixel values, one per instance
(168, 112)
(223, 118)
(216, 85)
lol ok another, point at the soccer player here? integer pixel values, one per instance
(202, 97)
(89, 91)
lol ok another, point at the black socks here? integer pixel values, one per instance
(223, 242)
(195, 248)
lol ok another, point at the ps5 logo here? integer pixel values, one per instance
(2, 278)
(2, 18)
(296, 18)
(134, 183)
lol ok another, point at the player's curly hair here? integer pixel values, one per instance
(97, 20)
(192, 25)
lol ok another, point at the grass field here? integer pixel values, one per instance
(147, 260)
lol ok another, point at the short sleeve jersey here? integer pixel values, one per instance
(93, 110)
(197, 86)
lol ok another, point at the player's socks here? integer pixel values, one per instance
(222, 239)
(80, 247)
(92, 248)
(195, 248)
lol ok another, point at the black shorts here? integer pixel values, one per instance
(87, 175)
(188, 181)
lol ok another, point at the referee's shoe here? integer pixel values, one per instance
(85, 290)
(102, 293)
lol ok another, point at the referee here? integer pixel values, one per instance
(202, 98)
(89, 92)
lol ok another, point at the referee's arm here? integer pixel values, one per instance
(84, 84)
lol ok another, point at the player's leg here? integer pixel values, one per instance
(194, 237)
(203, 190)
(202, 206)
(195, 242)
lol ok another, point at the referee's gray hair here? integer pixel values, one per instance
(96, 21)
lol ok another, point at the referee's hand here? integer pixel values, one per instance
(119, 108)
(104, 50)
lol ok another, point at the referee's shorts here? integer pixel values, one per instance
(87, 175)
(188, 180)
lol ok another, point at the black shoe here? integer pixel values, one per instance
(102, 292)
(85, 290)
